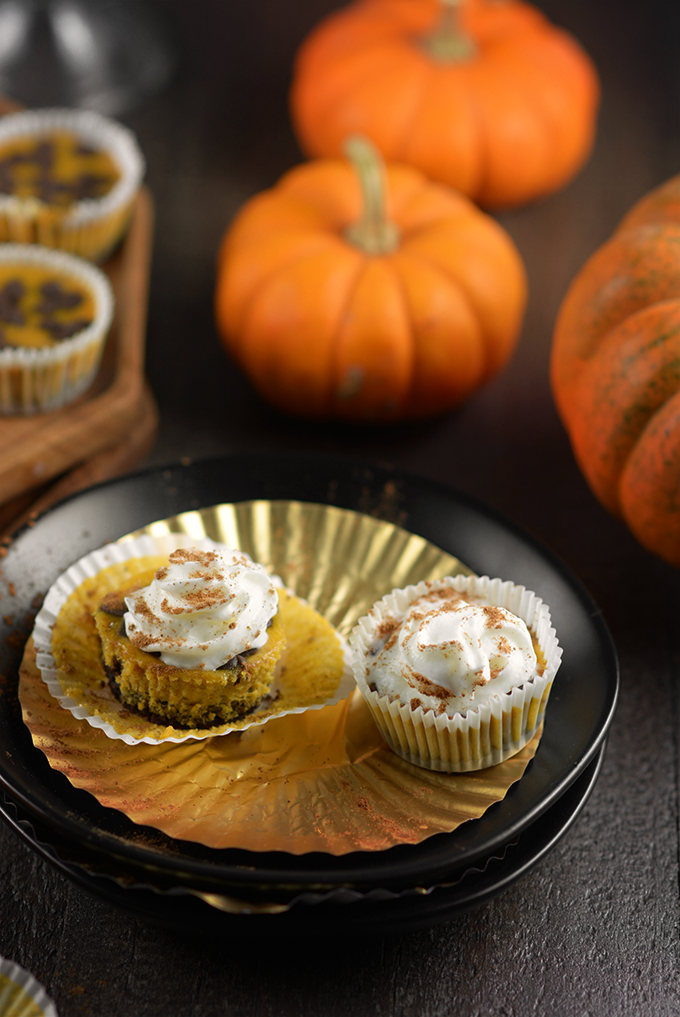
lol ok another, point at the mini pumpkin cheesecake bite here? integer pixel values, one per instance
(68, 179)
(157, 639)
(457, 671)
(55, 315)
(199, 645)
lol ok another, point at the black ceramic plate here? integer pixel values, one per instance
(581, 704)
(407, 911)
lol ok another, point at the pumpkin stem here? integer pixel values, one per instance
(373, 233)
(448, 42)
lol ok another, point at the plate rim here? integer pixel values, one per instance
(250, 867)
(472, 889)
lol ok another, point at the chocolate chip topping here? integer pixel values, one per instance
(237, 662)
(113, 603)
(65, 329)
(91, 185)
(38, 169)
(17, 308)
(43, 154)
(11, 295)
(56, 298)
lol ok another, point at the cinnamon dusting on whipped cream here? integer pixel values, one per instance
(203, 608)
(447, 647)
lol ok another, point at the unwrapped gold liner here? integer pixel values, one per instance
(319, 781)
(316, 671)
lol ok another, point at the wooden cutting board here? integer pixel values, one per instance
(109, 428)
(111, 425)
(108, 463)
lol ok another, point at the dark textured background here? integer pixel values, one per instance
(594, 928)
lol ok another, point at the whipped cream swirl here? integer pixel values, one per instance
(203, 608)
(449, 653)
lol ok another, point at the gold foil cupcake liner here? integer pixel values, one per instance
(40, 379)
(21, 994)
(322, 780)
(480, 737)
(91, 227)
(87, 694)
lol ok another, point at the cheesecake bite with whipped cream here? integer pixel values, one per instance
(197, 642)
(449, 653)
(456, 671)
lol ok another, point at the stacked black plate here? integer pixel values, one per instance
(185, 885)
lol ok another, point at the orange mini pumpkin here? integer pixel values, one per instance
(335, 309)
(485, 96)
(616, 370)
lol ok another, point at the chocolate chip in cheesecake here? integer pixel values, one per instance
(5, 177)
(237, 662)
(82, 148)
(43, 155)
(65, 329)
(91, 185)
(15, 159)
(53, 192)
(13, 291)
(11, 295)
(113, 603)
(55, 298)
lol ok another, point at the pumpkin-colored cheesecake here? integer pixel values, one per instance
(55, 314)
(151, 642)
(68, 179)
(196, 642)
(184, 697)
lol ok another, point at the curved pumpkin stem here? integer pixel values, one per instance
(373, 233)
(448, 42)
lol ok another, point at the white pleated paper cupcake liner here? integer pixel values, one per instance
(93, 563)
(37, 380)
(482, 736)
(21, 994)
(92, 226)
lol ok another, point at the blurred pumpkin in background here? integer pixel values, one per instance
(365, 292)
(615, 370)
(485, 96)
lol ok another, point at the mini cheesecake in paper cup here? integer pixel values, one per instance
(490, 709)
(304, 663)
(55, 314)
(68, 179)
(21, 994)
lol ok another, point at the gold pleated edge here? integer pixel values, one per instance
(21, 994)
(405, 801)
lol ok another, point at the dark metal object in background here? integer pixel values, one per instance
(105, 55)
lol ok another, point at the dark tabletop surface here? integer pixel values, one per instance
(593, 928)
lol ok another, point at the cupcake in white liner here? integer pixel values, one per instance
(457, 671)
(317, 669)
(68, 179)
(42, 367)
(21, 994)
